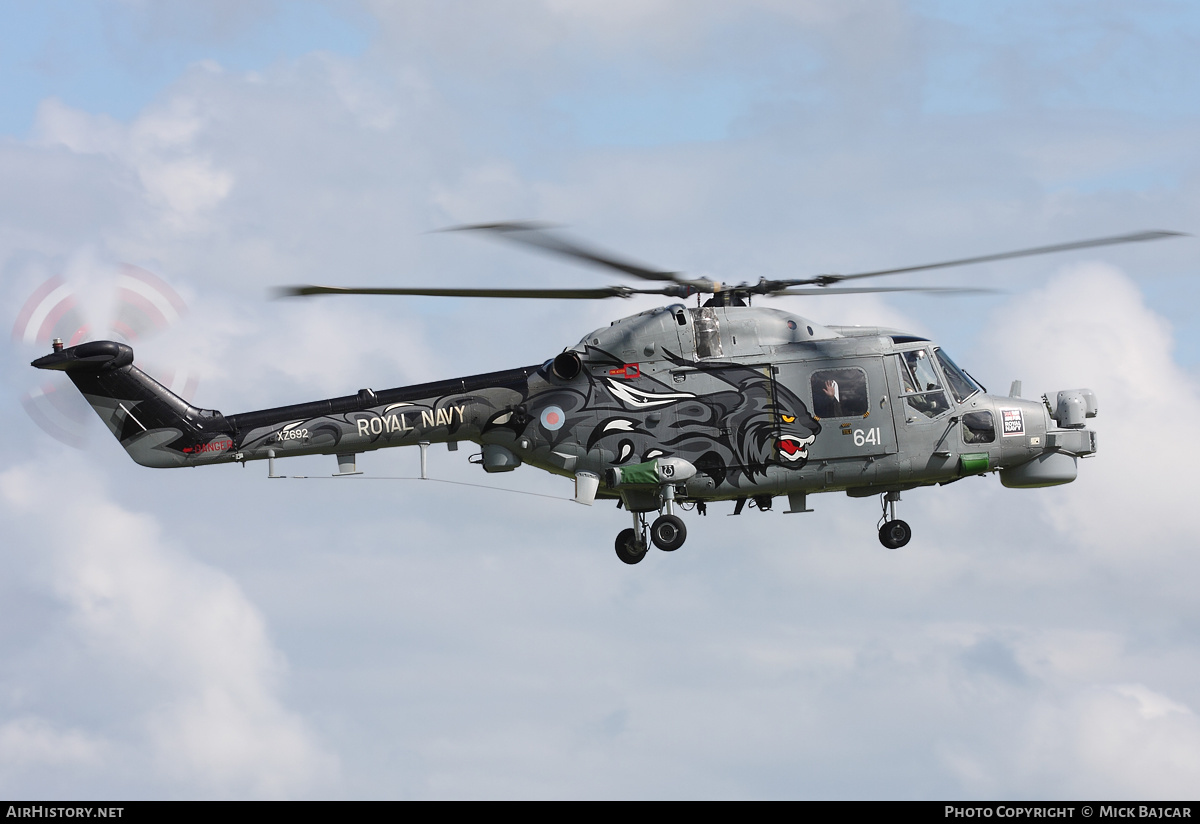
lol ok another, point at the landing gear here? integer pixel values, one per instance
(893, 533)
(630, 548)
(668, 532)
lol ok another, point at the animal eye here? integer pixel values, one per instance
(788, 418)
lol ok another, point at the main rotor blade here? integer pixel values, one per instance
(862, 290)
(568, 294)
(1114, 240)
(535, 234)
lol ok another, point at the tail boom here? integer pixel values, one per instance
(159, 429)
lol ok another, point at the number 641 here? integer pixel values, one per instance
(862, 437)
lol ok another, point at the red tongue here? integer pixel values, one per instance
(789, 447)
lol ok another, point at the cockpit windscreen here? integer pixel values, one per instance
(962, 385)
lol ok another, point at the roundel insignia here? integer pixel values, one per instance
(553, 418)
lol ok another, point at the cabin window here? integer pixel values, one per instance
(962, 386)
(978, 427)
(708, 332)
(920, 384)
(839, 393)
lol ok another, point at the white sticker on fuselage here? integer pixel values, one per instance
(1014, 421)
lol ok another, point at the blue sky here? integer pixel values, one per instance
(216, 634)
(115, 58)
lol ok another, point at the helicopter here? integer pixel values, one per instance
(665, 411)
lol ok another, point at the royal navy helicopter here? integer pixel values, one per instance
(664, 411)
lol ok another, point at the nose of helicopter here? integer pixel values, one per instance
(1061, 449)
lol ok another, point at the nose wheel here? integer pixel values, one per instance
(893, 533)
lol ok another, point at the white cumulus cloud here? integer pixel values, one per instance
(166, 644)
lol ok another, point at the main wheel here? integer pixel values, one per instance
(894, 534)
(627, 547)
(668, 533)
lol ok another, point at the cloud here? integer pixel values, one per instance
(1122, 741)
(1089, 326)
(159, 146)
(175, 665)
(31, 742)
(1129, 740)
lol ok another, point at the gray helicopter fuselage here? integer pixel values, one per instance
(759, 401)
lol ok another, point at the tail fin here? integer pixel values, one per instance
(157, 427)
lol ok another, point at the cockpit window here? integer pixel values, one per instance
(961, 384)
(977, 427)
(920, 384)
(922, 371)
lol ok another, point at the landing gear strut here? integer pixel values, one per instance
(893, 533)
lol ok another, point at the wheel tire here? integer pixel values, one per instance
(627, 547)
(895, 534)
(668, 533)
